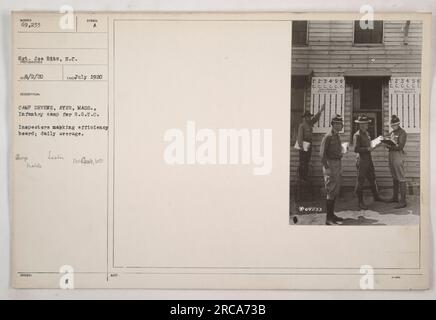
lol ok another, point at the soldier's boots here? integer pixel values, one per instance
(403, 192)
(335, 217)
(360, 199)
(396, 189)
(329, 221)
(331, 218)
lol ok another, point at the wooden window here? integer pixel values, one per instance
(299, 33)
(367, 36)
(331, 91)
(405, 102)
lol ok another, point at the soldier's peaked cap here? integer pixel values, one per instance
(395, 119)
(337, 119)
(362, 119)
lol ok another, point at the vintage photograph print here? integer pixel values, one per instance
(355, 122)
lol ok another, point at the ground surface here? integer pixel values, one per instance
(378, 213)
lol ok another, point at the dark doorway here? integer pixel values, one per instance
(298, 89)
(368, 100)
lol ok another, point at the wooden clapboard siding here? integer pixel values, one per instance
(380, 156)
(331, 52)
(380, 159)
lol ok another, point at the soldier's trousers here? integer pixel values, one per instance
(332, 178)
(365, 170)
(396, 165)
(303, 169)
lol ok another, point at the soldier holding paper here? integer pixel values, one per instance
(396, 161)
(364, 164)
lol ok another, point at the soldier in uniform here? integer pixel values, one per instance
(396, 162)
(365, 166)
(305, 131)
(331, 155)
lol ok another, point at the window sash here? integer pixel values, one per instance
(365, 36)
(299, 32)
